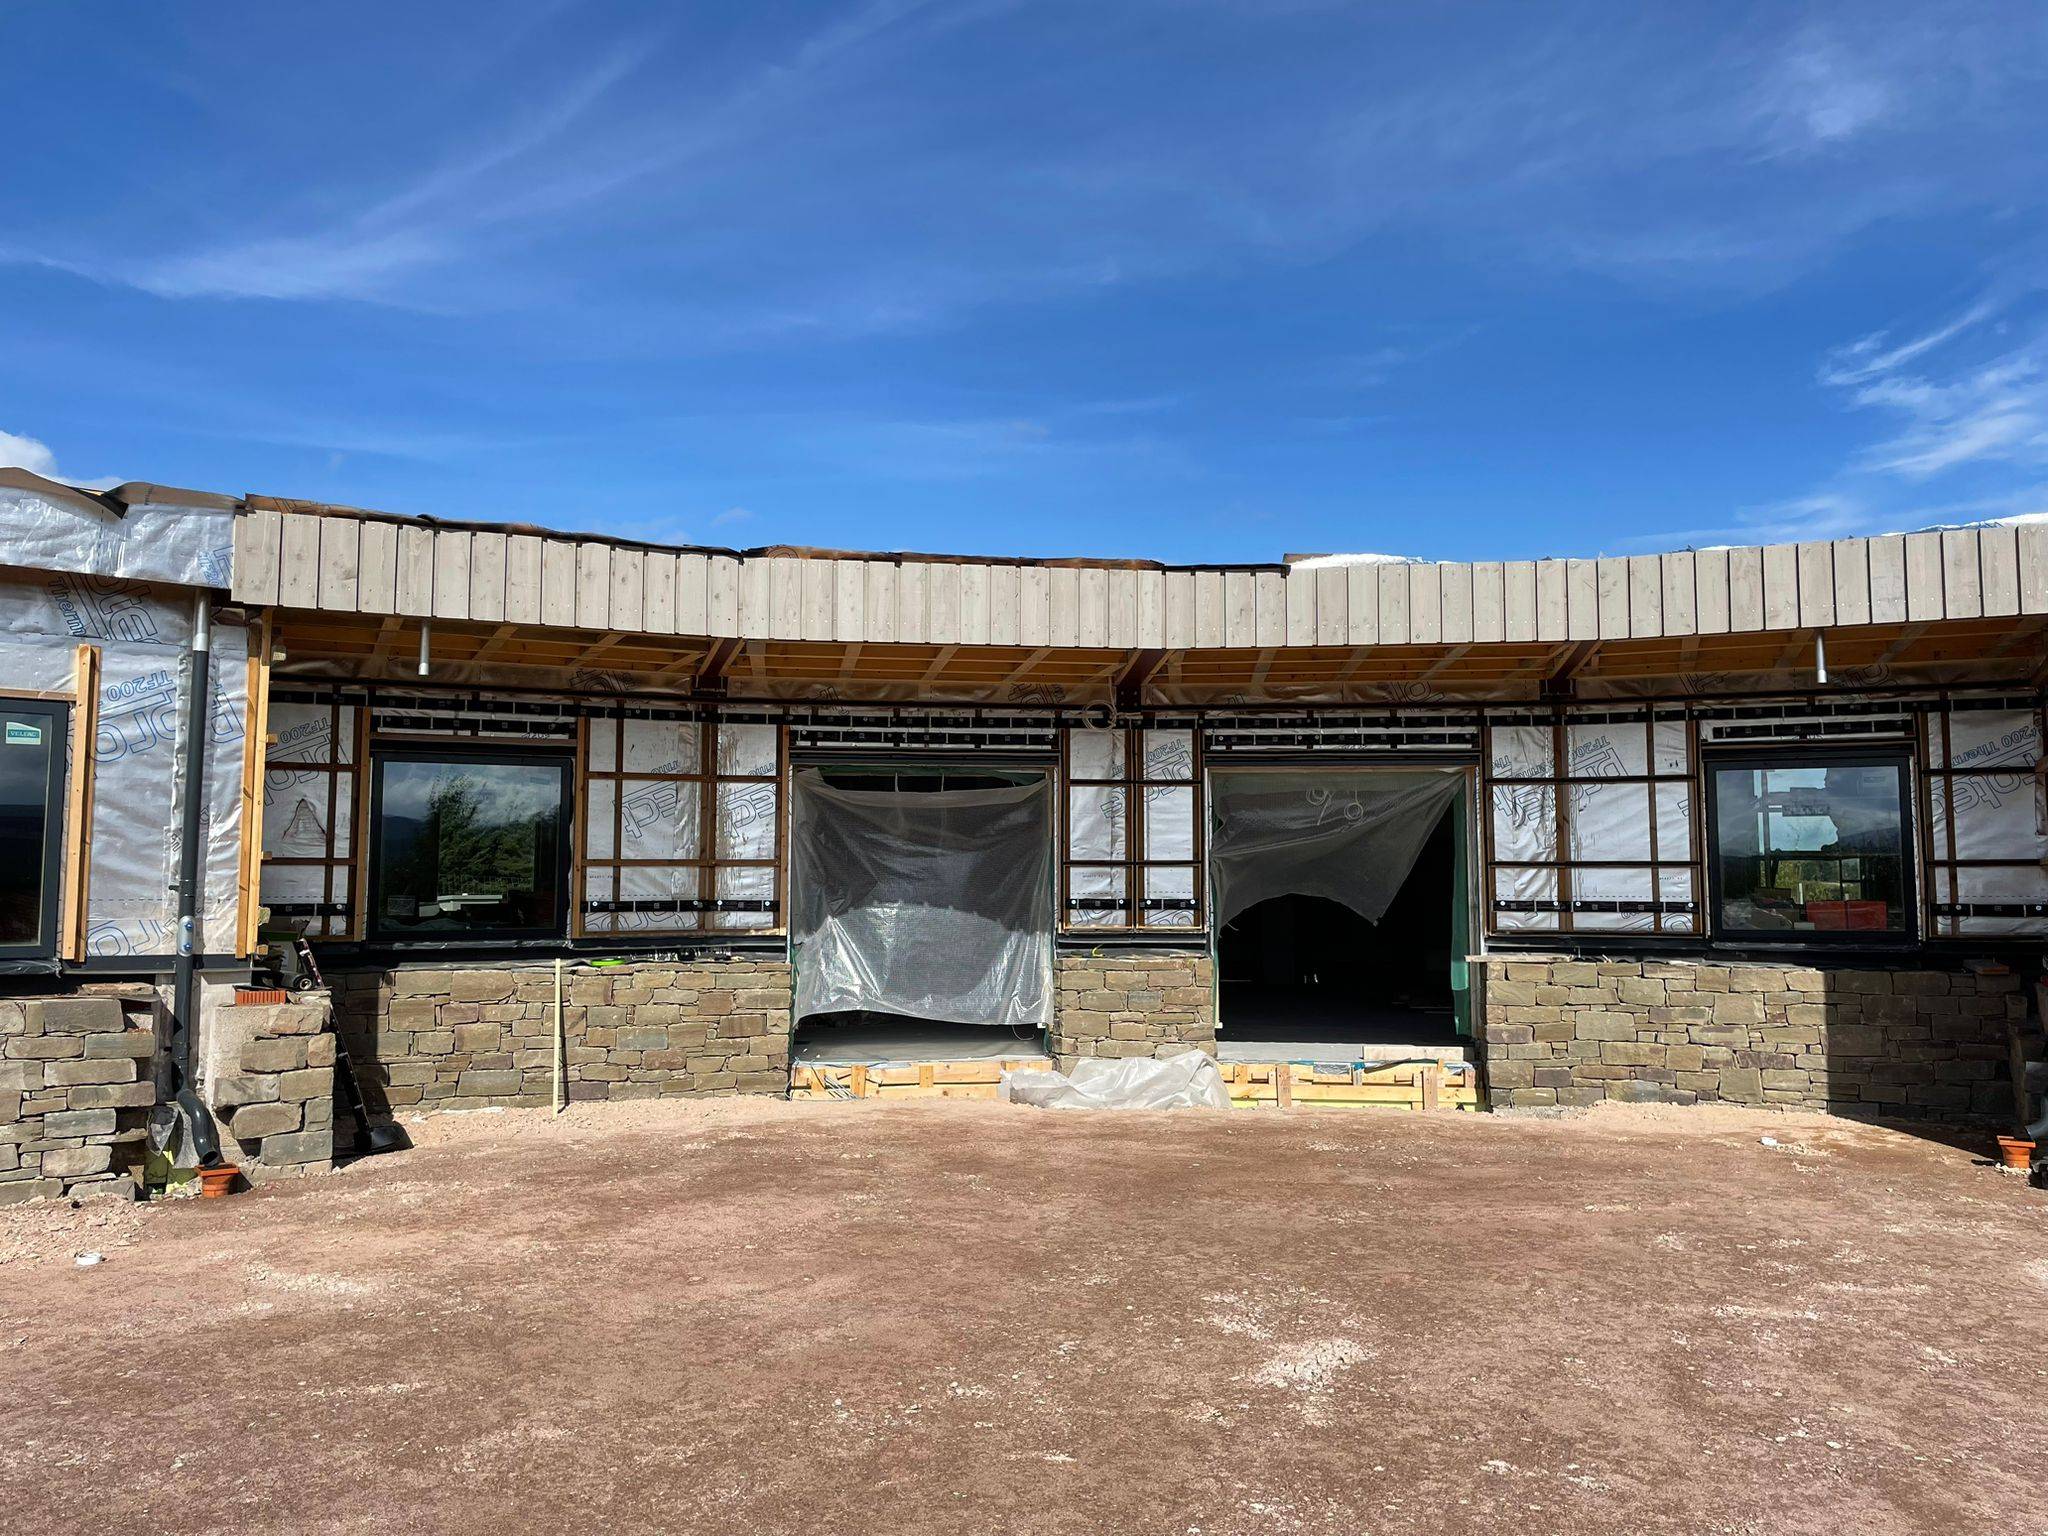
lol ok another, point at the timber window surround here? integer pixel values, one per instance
(1811, 845)
(682, 822)
(1590, 824)
(32, 751)
(1133, 829)
(469, 843)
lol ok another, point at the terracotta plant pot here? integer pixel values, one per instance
(217, 1182)
(2016, 1152)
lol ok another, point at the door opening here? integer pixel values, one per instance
(1355, 923)
(921, 913)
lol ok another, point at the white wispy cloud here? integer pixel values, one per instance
(19, 451)
(1987, 405)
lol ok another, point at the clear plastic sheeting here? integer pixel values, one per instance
(1186, 1081)
(1348, 835)
(930, 905)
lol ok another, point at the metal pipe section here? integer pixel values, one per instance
(184, 989)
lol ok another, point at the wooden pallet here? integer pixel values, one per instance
(908, 1079)
(1359, 1085)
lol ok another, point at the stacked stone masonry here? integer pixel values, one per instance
(280, 1106)
(1121, 1004)
(1910, 1044)
(75, 1094)
(438, 1037)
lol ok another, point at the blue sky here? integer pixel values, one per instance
(1195, 281)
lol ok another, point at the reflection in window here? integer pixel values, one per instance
(469, 846)
(31, 772)
(1815, 850)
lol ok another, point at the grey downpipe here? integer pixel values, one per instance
(184, 989)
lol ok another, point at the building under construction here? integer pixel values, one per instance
(1759, 824)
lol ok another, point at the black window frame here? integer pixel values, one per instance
(44, 946)
(1713, 764)
(371, 841)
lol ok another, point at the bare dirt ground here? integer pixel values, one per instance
(763, 1317)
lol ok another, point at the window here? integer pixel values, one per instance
(31, 800)
(1133, 828)
(1591, 826)
(469, 845)
(1813, 848)
(682, 823)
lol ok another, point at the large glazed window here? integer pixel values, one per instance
(31, 797)
(469, 845)
(1812, 848)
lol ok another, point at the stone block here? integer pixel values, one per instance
(1742, 1085)
(320, 1051)
(245, 1088)
(1597, 1024)
(497, 1084)
(287, 1055)
(21, 1076)
(44, 1047)
(1739, 1007)
(641, 1039)
(64, 1074)
(482, 986)
(414, 1015)
(295, 1018)
(471, 1039)
(1640, 991)
(253, 1122)
(113, 1096)
(135, 1044)
(78, 1122)
(406, 982)
(312, 1083)
(74, 1016)
(76, 1162)
(291, 1149)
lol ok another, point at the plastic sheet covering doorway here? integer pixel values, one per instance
(1349, 835)
(930, 905)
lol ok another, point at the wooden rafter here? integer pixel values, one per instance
(1134, 674)
(1449, 659)
(499, 638)
(710, 676)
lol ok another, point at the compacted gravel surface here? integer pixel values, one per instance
(766, 1317)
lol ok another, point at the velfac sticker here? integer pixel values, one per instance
(21, 735)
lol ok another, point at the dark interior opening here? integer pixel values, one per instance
(1303, 968)
(866, 1035)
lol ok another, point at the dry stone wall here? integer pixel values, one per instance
(1120, 1004)
(279, 1107)
(75, 1094)
(1911, 1044)
(440, 1037)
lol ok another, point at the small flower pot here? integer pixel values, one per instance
(2016, 1152)
(214, 1183)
